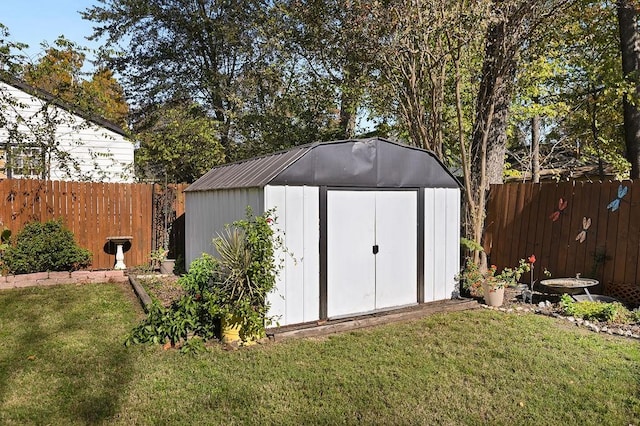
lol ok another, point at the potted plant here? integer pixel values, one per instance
(247, 273)
(471, 278)
(157, 256)
(494, 283)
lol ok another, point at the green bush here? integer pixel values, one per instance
(595, 311)
(47, 246)
(233, 287)
(193, 314)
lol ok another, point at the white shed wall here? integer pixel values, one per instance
(101, 154)
(442, 242)
(208, 212)
(296, 298)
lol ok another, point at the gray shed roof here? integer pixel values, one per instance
(365, 163)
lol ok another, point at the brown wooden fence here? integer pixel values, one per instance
(520, 223)
(93, 212)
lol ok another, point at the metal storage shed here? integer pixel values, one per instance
(371, 224)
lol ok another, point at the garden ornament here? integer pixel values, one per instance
(615, 204)
(562, 205)
(582, 235)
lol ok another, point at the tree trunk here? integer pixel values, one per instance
(489, 138)
(627, 21)
(347, 122)
(535, 148)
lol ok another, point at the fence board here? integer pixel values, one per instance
(520, 225)
(536, 227)
(562, 226)
(490, 220)
(633, 235)
(579, 261)
(551, 227)
(621, 240)
(137, 230)
(92, 211)
(505, 234)
(575, 214)
(520, 239)
(523, 246)
(611, 236)
(517, 204)
(594, 212)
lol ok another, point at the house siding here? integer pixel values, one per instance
(101, 154)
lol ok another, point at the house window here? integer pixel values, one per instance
(3, 164)
(22, 162)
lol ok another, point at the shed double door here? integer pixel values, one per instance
(371, 250)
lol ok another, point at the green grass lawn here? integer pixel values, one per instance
(62, 362)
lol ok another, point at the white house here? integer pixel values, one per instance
(371, 225)
(42, 137)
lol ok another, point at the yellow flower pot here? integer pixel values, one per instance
(231, 328)
(230, 333)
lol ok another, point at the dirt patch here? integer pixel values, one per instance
(161, 287)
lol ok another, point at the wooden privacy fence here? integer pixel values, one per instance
(520, 222)
(92, 211)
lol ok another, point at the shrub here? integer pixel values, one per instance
(45, 246)
(248, 270)
(471, 278)
(193, 314)
(595, 311)
(232, 288)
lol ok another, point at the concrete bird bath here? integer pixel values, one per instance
(569, 285)
(119, 241)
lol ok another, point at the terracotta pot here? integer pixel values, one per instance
(493, 296)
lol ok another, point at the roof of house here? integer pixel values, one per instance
(48, 97)
(364, 163)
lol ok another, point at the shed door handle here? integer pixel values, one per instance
(376, 249)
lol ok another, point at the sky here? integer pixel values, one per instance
(35, 21)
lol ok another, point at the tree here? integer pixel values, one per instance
(571, 79)
(59, 73)
(104, 96)
(177, 143)
(513, 22)
(335, 46)
(630, 52)
(210, 51)
(423, 47)
(12, 56)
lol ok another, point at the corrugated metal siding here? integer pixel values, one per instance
(255, 172)
(208, 213)
(442, 242)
